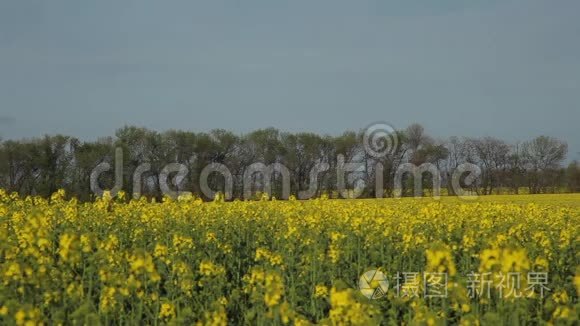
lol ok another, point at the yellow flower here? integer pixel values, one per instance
(108, 299)
(320, 291)
(561, 297)
(208, 268)
(346, 310)
(489, 258)
(440, 261)
(68, 250)
(20, 317)
(577, 280)
(223, 301)
(166, 311)
(216, 317)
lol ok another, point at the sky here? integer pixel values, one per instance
(509, 69)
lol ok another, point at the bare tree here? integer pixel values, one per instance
(544, 156)
(493, 156)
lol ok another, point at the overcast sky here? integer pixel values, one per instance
(509, 69)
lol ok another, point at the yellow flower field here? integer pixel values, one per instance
(505, 259)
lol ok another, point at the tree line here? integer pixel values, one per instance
(41, 166)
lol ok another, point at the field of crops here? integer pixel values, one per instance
(498, 259)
